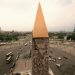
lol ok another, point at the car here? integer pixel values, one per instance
(65, 57)
(54, 59)
(17, 57)
(50, 56)
(9, 59)
(30, 41)
(59, 58)
(9, 54)
(13, 65)
(25, 44)
(58, 65)
(50, 59)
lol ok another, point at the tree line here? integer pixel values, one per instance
(7, 37)
(61, 35)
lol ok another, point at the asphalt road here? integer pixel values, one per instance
(16, 48)
(67, 65)
(67, 62)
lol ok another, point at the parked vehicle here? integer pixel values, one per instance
(50, 59)
(13, 65)
(25, 44)
(58, 65)
(59, 58)
(9, 59)
(65, 57)
(9, 54)
(54, 59)
(17, 57)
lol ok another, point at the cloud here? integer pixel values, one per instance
(65, 2)
(60, 2)
(20, 14)
(59, 16)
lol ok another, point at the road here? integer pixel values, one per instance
(67, 64)
(16, 47)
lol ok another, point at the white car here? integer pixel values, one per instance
(58, 65)
(53, 59)
(17, 57)
(59, 58)
(30, 41)
(26, 44)
(50, 59)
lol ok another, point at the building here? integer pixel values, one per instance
(40, 40)
(74, 29)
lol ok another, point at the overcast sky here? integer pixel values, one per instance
(19, 15)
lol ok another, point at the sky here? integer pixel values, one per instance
(19, 15)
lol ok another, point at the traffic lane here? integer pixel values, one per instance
(67, 68)
(16, 48)
(65, 63)
(52, 63)
(64, 54)
(56, 52)
(54, 68)
(4, 68)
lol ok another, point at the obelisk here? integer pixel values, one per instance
(40, 42)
